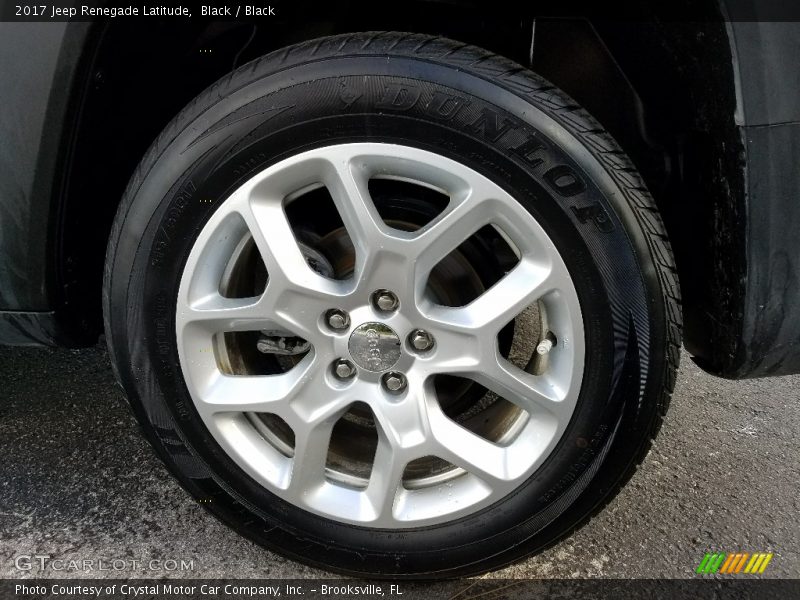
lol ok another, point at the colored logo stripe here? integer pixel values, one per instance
(723, 562)
(711, 562)
(758, 563)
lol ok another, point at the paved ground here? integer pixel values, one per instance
(77, 482)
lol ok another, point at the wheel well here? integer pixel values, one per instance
(644, 82)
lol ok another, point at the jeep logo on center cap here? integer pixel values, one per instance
(374, 347)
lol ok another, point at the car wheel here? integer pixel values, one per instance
(393, 306)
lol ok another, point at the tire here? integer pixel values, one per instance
(463, 108)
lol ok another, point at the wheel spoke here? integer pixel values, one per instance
(532, 393)
(518, 289)
(404, 422)
(310, 455)
(293, 289)
(216, 314)
(469, 451)
(347, 185)
(386, 476)
(273, 236)
(463, 216)
(495, 308)
(382, 253)
(223, 393)
(312, 416)
(287, 268)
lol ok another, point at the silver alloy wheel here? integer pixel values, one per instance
(310, 399)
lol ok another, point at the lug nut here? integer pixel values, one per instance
(385, 301)
(421, 340)
(394, 383)
(337, 319)
(344, 369)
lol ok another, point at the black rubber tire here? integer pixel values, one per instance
(474, 107)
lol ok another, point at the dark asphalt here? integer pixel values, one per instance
(78, 482)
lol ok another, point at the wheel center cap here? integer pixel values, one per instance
(374, 347)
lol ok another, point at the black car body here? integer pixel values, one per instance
(709, 111)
